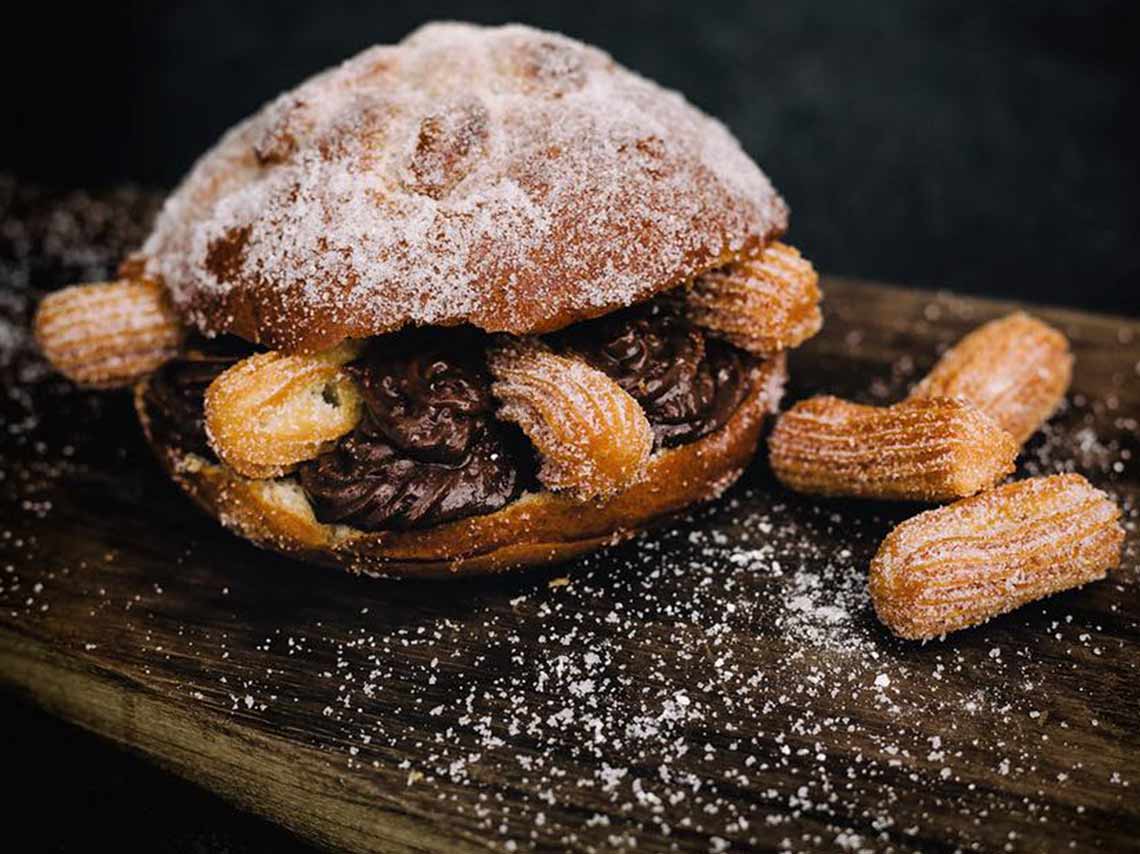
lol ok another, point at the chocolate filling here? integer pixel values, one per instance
(688, 384)
(428, 449)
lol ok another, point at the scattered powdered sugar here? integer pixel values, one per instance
(699, 685)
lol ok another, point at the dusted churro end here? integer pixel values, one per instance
(764, 305)
(107, 334)
(933, 449)
(1015, 369)
(962, 564)
(593, 439)
(271, 411)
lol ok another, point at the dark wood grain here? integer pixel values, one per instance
(719, 685)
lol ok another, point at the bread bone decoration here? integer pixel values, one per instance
(478, 300)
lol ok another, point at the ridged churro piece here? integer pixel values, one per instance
(932, 449)
(1015, 369)
(271, 411)
(107, 334)
(593, 438)
(764, 305)
(962, 564)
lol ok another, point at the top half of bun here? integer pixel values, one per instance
(504, 177)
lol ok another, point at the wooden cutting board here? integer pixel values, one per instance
(720, 685)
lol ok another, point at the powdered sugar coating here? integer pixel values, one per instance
(592, 436)
(107, 334)
(925, 449)
(510, 178)
(960, 565)
(1015, 369)
(764, 306)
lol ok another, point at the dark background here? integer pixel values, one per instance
(985, 147)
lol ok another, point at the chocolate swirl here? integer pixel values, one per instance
(428, 449)
(688, 384)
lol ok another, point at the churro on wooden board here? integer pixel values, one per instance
(1015, 369)
(962, 564)
(929, 449)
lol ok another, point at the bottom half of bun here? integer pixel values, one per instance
(537, 528)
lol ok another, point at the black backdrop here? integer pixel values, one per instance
(979, 146)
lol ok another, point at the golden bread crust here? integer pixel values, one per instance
(537, 529)
(504, 177)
